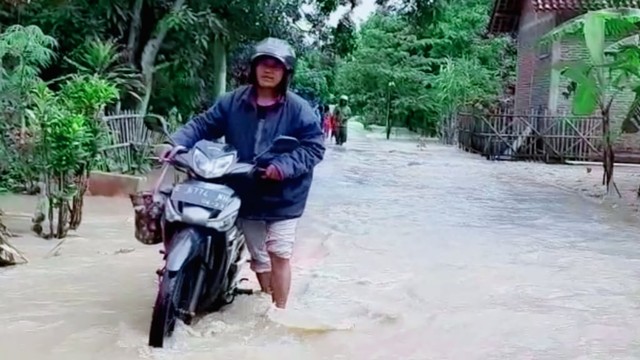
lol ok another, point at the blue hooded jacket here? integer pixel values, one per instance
(235, 117)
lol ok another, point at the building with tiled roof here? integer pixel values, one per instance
(538, 85)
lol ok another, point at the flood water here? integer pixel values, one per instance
(403, 254)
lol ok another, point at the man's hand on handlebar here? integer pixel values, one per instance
(272, 172)
(170, 154)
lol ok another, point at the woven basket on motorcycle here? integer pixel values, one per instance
(148, 217)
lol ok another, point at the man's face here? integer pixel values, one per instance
(269, 72)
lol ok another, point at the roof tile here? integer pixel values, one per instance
(551, 5)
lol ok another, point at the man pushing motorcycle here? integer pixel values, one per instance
(250, 118)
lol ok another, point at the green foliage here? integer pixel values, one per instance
(23, 52)
(85, 96)
(344, 37)
(187, 65)
(313, 76)
(437, 58)
(49, 136)
(465, 82)
(61, 136)
(104, 58)
(25, 49)
(68, 136)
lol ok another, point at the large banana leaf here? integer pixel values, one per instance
(594, 37)
(587, 94)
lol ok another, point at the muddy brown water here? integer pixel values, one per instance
(403, 254)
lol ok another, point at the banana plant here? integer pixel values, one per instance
(607, 72)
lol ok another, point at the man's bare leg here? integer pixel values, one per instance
(280, 280)
(265, 281)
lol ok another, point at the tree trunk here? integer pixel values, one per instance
(149, 55)
(608, 155)
(63, 219)
(134, 31)
(42, 209)
(75, 211)
(220, 66)
(388, 120)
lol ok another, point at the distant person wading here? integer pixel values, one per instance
(341, 115)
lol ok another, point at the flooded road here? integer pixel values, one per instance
(403, 254)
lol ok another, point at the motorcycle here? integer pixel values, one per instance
(204, 249)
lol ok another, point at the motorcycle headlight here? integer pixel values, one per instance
(211, 168)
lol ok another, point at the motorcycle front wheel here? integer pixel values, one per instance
(163, 319)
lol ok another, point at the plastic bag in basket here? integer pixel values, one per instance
(148, 217)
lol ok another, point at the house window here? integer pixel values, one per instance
(544, 50)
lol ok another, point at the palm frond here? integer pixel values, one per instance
(103, 58)
(29, 44)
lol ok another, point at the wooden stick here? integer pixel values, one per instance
(52, 252)
(616, 187)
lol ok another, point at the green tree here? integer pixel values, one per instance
(68, 136)
(181, 48)
(23, 52)
(104, 59)
(430, 52)
(313, 76)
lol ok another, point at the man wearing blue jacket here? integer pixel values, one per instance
(251, 118)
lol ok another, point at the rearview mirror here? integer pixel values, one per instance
(157, 124)
(284, 144)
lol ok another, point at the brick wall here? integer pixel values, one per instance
(543, 59)
(574, 49)
(526, 59)
(534, 59)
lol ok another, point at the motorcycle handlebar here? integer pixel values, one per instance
(239, 169)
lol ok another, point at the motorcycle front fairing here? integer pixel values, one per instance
(184, 248)
(200, 161)
(204, 200)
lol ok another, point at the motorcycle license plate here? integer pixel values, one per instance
(195, 195)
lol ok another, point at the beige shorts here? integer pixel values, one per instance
(265, 237)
